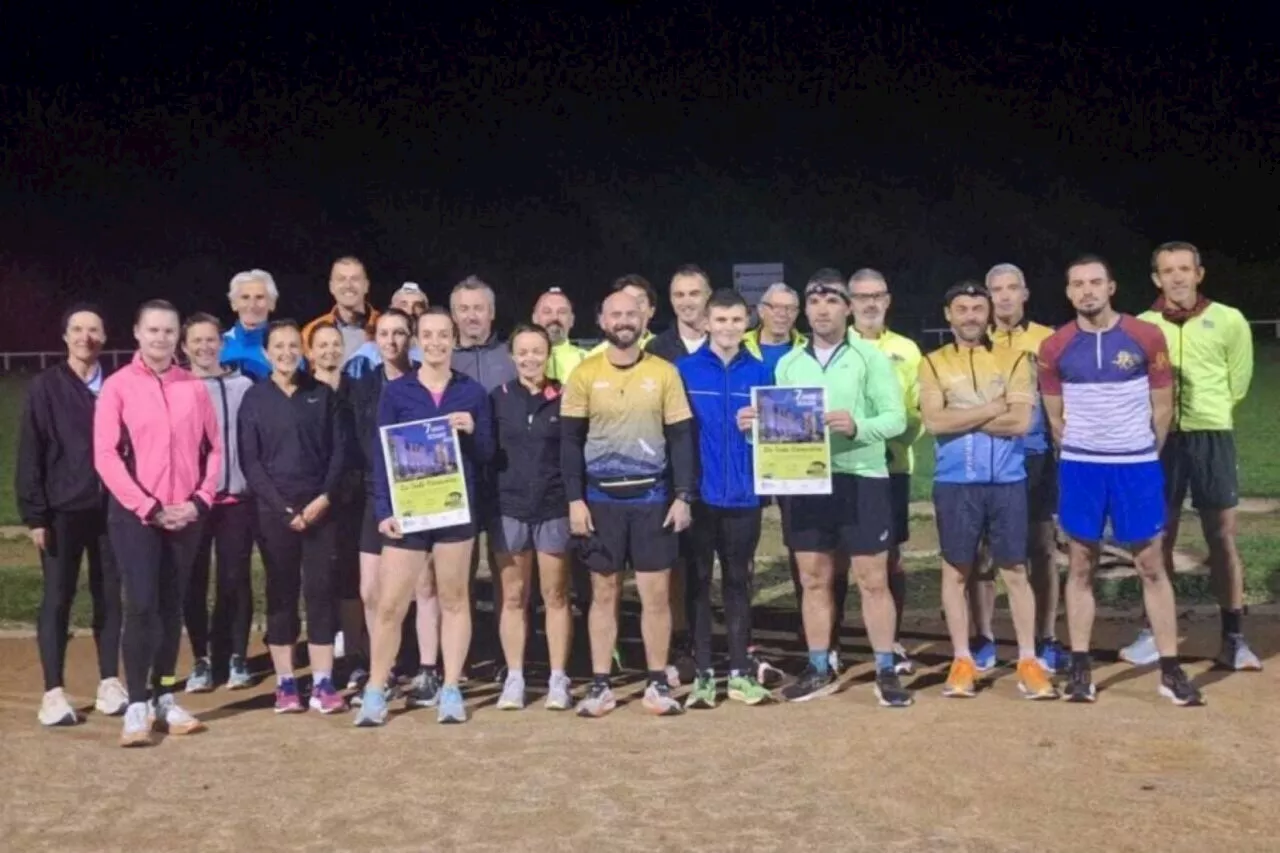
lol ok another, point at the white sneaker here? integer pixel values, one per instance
(175, 719)
(512, 698)
(113, 699)
(559, 694)
(55, 710)
(137, 725)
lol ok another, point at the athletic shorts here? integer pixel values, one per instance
(855, 519)
(512, 536)
(900, 496)
(627, 533)
(1042, 487)
(968, 513)
(1205, 462)
(428, 539)
(1129, 495)
(370, 538)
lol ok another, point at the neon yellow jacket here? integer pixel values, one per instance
(1212, 355)
(905, 356)
(603, 345)
(564, 358)
(752, 342)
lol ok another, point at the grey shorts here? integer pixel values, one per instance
(512, 536)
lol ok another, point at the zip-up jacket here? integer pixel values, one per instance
(370, 321)
(245, 350)
(362, 396)
(227, 393)
(488, 363)
(156, 440)
(527, 456)
(860, 380)
(565, 356)
(1211, 348)
(1027, 337)
(405, 400)
(716, 390)
(292, 448)
(752, 342)
(668, 345)
(904, 355)
(369, 356)
(54, 470)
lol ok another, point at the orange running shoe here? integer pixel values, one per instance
(960, 680)
(1034, 682)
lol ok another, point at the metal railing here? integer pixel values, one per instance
(939, 336)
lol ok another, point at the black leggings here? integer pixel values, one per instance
(733, 535)
(67, 539)
(228, 533)
(298, 565)
(155, 566)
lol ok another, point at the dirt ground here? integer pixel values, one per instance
(992, 774)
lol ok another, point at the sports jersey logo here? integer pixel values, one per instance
(600, 384)
(1207, 323)
(1162, 361)
(648, 385)
(1125, 360)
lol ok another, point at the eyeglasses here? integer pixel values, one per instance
(870, 297)
(781, 309)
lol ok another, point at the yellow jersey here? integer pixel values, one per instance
(905, 356)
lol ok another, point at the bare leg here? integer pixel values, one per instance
(871, 573)
(1157, 594)
(955, 606)
(427, 617)
(655, 616)
(1082, 558)
(1042, 549)
(514, 573)
(553, 573)
(1022, 606)
(398, 574)
(816, 569)
(602, 620)
(452, 565)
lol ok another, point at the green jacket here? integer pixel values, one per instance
(860, 380)
(1212, 356)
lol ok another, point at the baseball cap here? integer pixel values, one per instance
(965, 288)
(411, 287)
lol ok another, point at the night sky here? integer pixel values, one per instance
(149, 158)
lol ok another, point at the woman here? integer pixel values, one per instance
(292, 449)
(442, 554)
(228, 528)
(534, 516)
(158, 450)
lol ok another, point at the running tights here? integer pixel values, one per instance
(228, 535)
(298, 565)
(733, 535)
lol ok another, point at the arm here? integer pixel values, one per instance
(1239, 359)
(115, 476)
(682, 457)
(573, 464)
(884, 398)
(1014, 422)
(1162, 413)
(1020, 395)
(1050, 381)
(251, 460)
(937, 418)
(207, 489)
(29, 474)
(1053, 410)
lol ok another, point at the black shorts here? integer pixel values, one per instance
(1042, 487)
(900, 497)
(370, 538)
(427, 540)
(628, 533)
(1205, 462)
(968, 513)
(855, 519)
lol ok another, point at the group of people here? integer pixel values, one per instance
(634, 456)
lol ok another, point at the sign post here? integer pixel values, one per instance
(752, 280)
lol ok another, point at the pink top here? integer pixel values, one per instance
(156, 440)
(436, 396)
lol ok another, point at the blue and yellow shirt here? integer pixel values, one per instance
(1026, 337)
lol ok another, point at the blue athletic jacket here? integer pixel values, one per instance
(245, 350)
(716, 392)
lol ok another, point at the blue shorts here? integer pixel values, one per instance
(966, 512)
(1130, 496)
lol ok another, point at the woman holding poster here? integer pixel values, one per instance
(434, 429)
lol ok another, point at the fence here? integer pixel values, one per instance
(937, 337)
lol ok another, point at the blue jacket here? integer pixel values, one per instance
(404, 400)
(716, 392)
(366, 358)
(245, 350)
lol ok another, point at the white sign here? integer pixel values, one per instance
(752, 280)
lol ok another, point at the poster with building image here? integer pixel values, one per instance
(424, 471)
(792, 445)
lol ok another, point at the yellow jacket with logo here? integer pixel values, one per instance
(1026, 337)
(905, 356)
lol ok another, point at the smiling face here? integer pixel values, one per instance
(435, 339)
(157, 335)
(252, 303)
(284, 350)
(326, 348)
(203, 346)
(530, 352)
(554, 312)
(349, 285)
(689, 295)
(968, 317)
(828, 315)
(472, 310)
(1090, 288)
(84, 336)
(392, 337)
(726, 326)
(1178, 275)
(621, 319)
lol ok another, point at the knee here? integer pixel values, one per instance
(555, 597)
(454, 601)
(514, 595)
(1015, 577)
(873, 579)
(604, 594)
(1150, 567)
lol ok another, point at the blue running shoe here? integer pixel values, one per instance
(451, 708)
(1052, 656)
(373, 709)
(984, 654)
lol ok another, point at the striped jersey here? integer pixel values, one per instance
(1105, 380)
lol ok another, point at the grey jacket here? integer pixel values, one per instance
(489, 363)
(227, 391)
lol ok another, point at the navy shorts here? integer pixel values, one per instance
(900, 497)
(1129, 495)
(427, 540)
(968, 513)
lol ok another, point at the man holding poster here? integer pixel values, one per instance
(863, 409)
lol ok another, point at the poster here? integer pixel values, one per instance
(428, 489)
(791, 444)
(752, 280)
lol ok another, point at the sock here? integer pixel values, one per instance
(1026, 654)
(517, 674)
(166, 684)
(1230, 622)
(430, 668)
(602, 680)
(557, 675)
(658, 676)
(1168, 666)
(1081, 659)
(818, 660)
(884, 661)
(321, 675)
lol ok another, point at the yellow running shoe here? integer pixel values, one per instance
(1034, 682)
(960, 680)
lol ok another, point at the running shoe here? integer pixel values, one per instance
(766, 673)
(356, 678)
(703, 694)
(890, 692)
(1236, 655)
(598, 701)
(659, 701)
(1080, 687)
(238, 677)
(424, 690)
(1142, 651)
(373, 709)
(451, 708)
(1178, 689)
(1052, 656)
(112, 699)
(137, 725)
(810, 685)
(559, 695)
(961, 680)
(287, 699)
(747, 690)
(512, 698)
(1034, 682)
(55, 710)
(686, 669)
(902, 662)
(201, 678)
(326, 699)
(984, 654)
(175, 719)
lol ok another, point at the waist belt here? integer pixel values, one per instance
(625, 488)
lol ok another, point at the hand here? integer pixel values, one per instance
(315, 510)
(390, 528)
(677, 516)
(178, 516)
(746, 418)
(298, 524)
(462, 422)
(841, 421)
(580, 523)
(39, 537)
(998, 406)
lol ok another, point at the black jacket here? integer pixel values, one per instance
(362, 395)
(668, 345)
(530, 486)
(54, 470)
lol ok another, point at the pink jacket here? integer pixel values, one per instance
(156, 440)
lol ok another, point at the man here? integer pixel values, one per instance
(640, 288)
(351, 313)
(1108, 394)
(554, 312)
(253, 296)
(1211, 348)
(871, 300)
(776, 336)
(627, 432)
(719, 378)
(479, 354)
(977, 402)
(413, 302)
(60, 500)
(690, 290)
(1013, 330)
(410, 299)
(864, 409)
